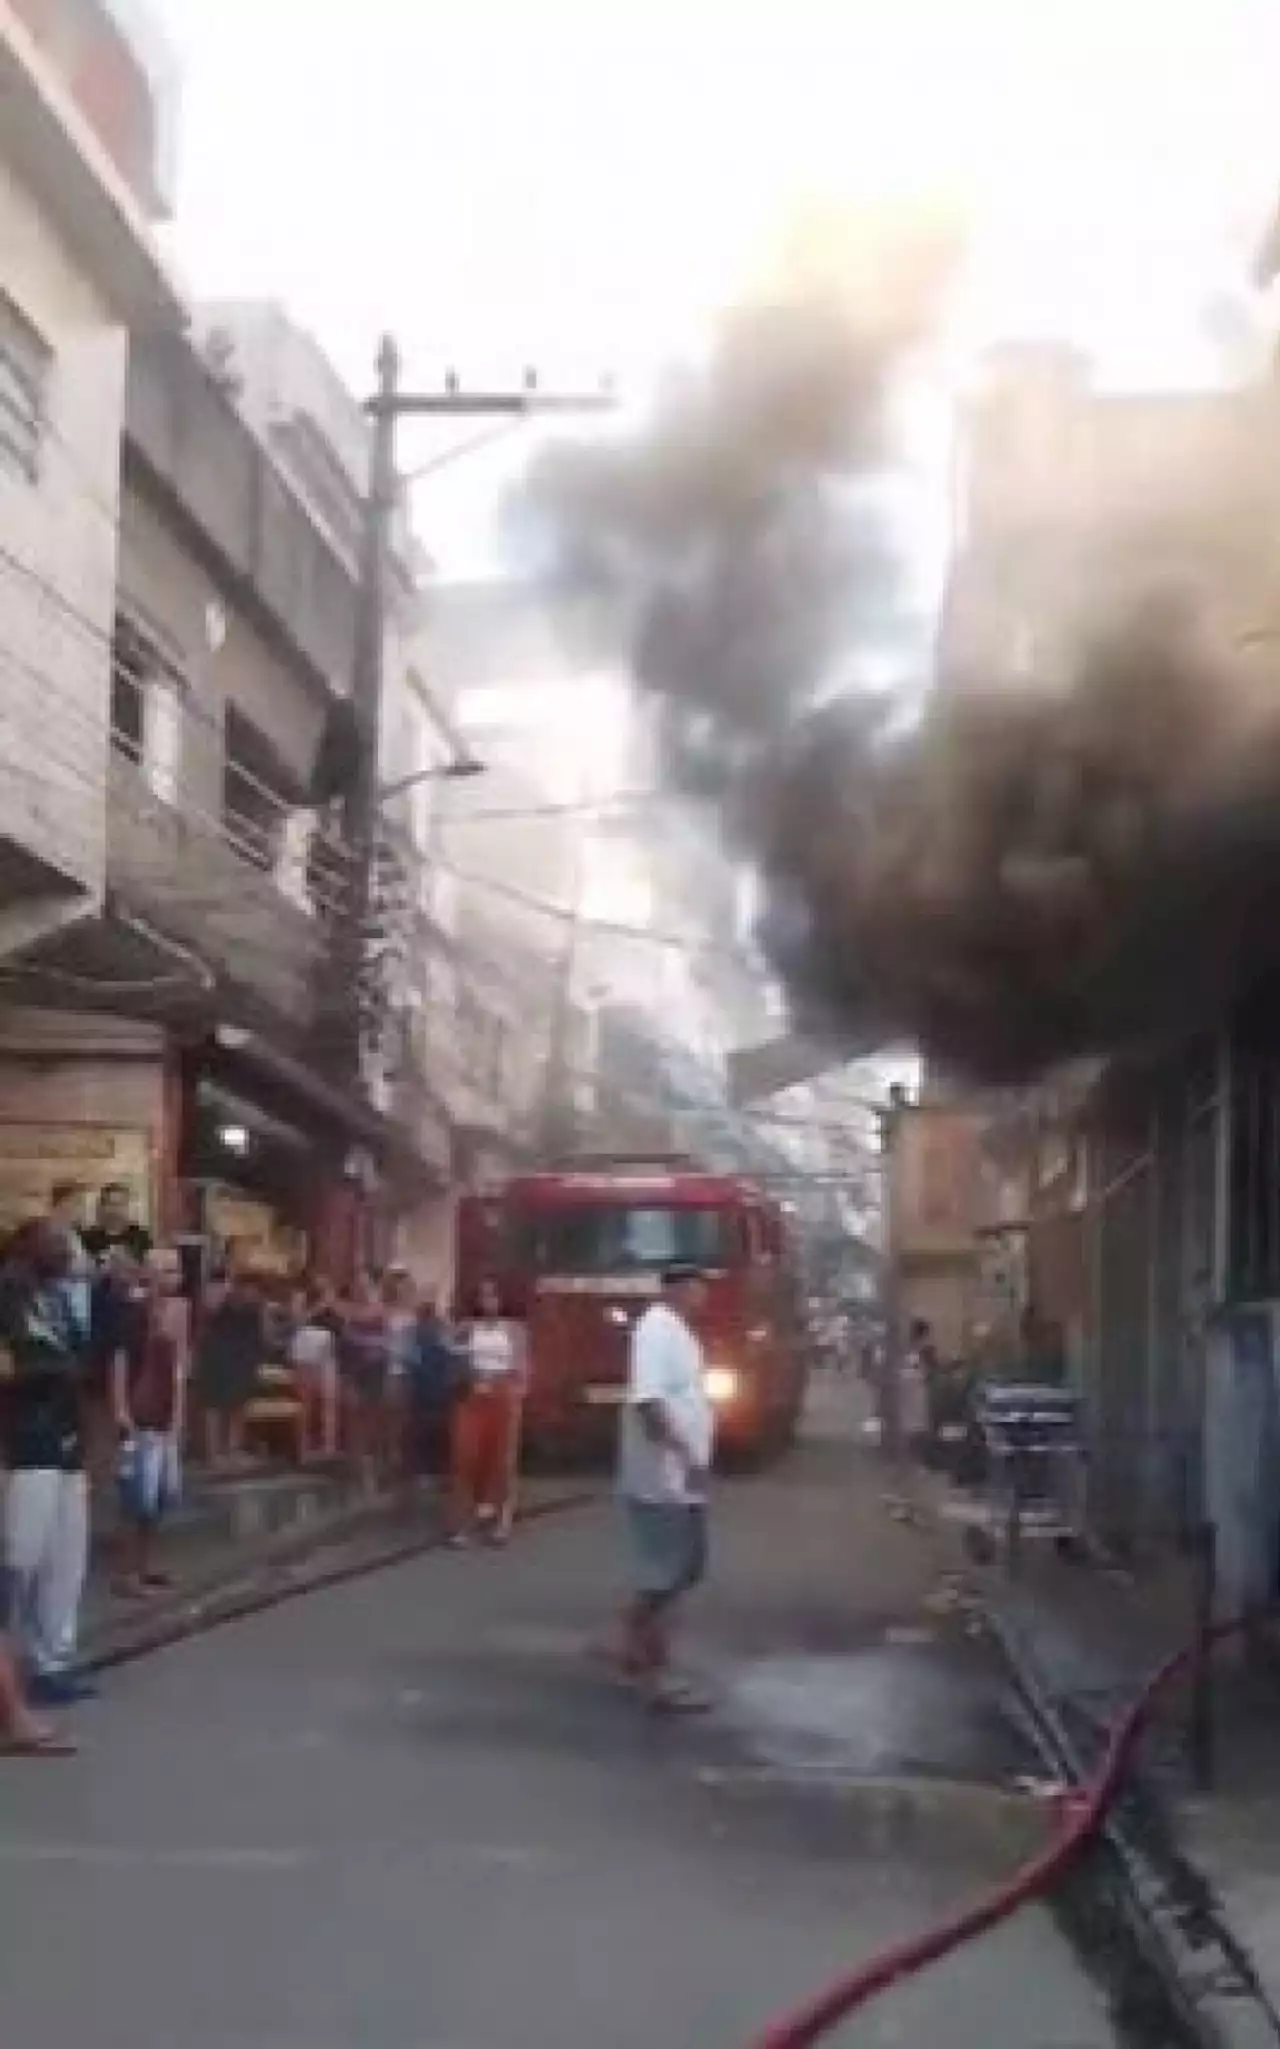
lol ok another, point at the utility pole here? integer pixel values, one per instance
(362, 809)
(362, 805)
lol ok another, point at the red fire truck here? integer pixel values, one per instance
(577, 1254)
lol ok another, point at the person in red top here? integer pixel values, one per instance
(149, 1379)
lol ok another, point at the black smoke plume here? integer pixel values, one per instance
(1028, 872)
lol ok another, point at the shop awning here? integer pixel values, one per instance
(110, 961)
(360, 1123)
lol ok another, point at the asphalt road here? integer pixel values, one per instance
(406, 1814)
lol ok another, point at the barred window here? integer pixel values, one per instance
(25, 359)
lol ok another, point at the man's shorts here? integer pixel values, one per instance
(149, 1475)
(668, 1543)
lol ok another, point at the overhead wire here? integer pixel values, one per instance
(330, 899)
(444, 1046)
(447, 820)
(190, 704)
(181, 689)
(208, 715)
(149, 804)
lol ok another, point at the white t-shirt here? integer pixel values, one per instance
(312, 1349)
(492, 1351)
(913, 1397)
(401, 1324)
(666, 1367)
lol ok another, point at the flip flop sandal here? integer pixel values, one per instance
(678, 1699)
(45, 1743)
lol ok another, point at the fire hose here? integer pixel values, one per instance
(1083, 1813)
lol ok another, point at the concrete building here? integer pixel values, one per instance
(209, 976)
(320, 439)
(86, 115)
(1145, 1184)
(1065, 494)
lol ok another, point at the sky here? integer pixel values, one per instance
(579, 186)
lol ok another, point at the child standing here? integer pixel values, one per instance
(149, 1378)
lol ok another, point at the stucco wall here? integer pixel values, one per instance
(164, 584)
(57, 560)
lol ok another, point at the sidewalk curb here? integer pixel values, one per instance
(905, 1813)
(275, 1572)
(1177, 1959)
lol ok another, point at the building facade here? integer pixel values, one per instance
(1148, 1182)
(83, 175)
(224, 883)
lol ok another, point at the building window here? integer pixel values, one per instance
(257, 790)
(25, 362)
(128, 693)
(148, 689)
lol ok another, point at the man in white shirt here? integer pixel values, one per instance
(664, 1460)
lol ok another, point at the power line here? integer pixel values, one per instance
(148, 801)
(580, 807)
(190, 702)
(564, 915)
(446, 1047)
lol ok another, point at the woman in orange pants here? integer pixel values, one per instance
(486, 1427)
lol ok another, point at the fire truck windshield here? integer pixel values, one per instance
(601, 1238)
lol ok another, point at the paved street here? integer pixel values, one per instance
(406, 1814)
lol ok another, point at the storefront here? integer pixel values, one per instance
(83, 1099)
(281, 1169)
(251, 1163)
(34, 1158)
(221, 1140)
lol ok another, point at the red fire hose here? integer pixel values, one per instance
(1084, 1812)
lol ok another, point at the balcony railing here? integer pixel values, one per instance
(190, 876)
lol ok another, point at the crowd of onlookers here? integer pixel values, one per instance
(115, 1368)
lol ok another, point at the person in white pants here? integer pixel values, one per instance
(46, 1539)
(46, 1514)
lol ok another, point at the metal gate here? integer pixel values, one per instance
(1155, 1236)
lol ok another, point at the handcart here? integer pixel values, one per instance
(1034, 1488)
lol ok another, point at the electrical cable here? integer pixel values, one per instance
(561, 914)
(191, 706)
(488, 971)
(113, 515)
(680, 944)
(150, 802)
(72, 712)
(578, 808)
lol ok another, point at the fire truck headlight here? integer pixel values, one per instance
(721, 1384)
